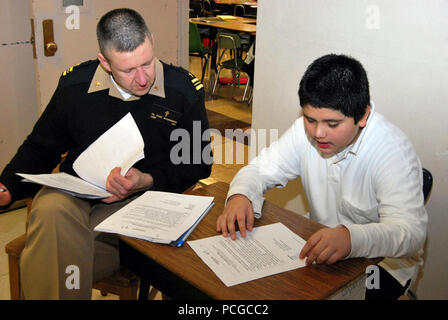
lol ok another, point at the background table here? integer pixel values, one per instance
(181, 274)
(240, 24)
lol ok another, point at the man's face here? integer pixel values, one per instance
(133, 71)
(329, 130)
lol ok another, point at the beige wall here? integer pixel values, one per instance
(19, 106)
(167, 20)
(403, 45)
(18, 110)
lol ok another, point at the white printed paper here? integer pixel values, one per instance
(157, 216)
(68, 183)
(120, 146)
(265, 251)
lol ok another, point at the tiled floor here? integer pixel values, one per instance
(12, 224)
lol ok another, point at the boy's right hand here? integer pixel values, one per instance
(5, 197)
(238, 209)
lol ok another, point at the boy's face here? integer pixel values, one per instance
(133, 71)
(329, 130)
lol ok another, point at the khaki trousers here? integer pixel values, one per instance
(63, 256)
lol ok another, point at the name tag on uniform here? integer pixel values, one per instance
(165, 114)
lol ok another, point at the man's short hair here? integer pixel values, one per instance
(122, 30)
(336, 82)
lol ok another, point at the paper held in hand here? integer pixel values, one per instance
(265, 251)
(160, 217)
(120, 146)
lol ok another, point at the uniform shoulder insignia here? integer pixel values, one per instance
(185, 81)
(69, 70)
(192, 78)
(78, 66)
(79, 73)
(195, 81)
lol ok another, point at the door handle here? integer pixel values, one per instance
(50, 47)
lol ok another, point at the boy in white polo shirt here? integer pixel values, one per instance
(361, 175)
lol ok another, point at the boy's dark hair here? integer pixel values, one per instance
(336, 82)
(122, 30)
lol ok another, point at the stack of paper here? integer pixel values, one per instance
(227, 17)
(265, 251)
(160, 217)
(210, 19)
(120, 146)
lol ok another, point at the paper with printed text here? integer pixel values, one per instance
(120, 146)
(265, 251)
(156, 216)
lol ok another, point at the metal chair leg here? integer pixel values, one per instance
(216, 81)
(245, 89)
(204, 65)
(202, 69)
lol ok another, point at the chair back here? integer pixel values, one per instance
(427, 184)
(228, 40)
(195, 9)
(207, 10)
(195, 42)
(239, 11)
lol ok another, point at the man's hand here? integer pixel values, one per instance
(327, 245)
(123, 186)
(238, 209)
(5, 196)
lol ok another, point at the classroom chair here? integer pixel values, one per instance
(231, 43)
(427, 187)
(122, 283)
(197, 49)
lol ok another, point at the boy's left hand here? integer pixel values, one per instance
(327, 245)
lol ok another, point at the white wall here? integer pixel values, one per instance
(403, 44)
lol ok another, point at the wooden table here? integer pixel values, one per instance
(232, 2)
(239, 24)
(181, 274)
